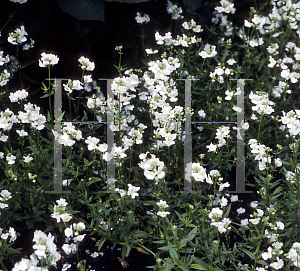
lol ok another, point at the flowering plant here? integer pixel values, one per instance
(142, 131)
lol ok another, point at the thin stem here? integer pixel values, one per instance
(49, 93)
(261, 119)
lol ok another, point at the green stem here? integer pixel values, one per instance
(261, 119)
(49, 97)
(144, 44)
(80, 92)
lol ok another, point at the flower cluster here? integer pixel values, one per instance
(18, 95)
(209, 51)
(142, 19)
(262, 103)
(174, 10)
(18, 36)
(224, 22)
(5, 196)
(26, 47)
(3, 59)
(7, 118)
(291, 121)
(221, 134)
(45, 250)
(98, 104)
(48, 60)
(60, 211)
(153, 167)
(160, 89)
(86, 64)
(162, 205)
(218, 73)
(11, 232)
(73, 85)
(73, 232)
(132, 191)
(260, 153)
(68, 134)
(294, 254)
(191, 25)
(226, 6)
(4, 77)
(32, 116)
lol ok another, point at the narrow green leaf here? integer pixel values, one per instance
(174, 255)
(198, 267)
(249, 253)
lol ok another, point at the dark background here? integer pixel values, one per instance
(57, 32)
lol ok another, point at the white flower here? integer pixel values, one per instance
(11, 159)
(86, 64)
(223, 202)
(22, 133)
(240, 210)
(278, 162)
(231, 61)
(62, 202)
(174, 10)
(238, 109)
(215, 214)
(162, 204)
(285, 73)
(66, 217)
(95, 254)
(18, 36)
(142, 19)
(234, 198)
(211, 147)
(27, 159)
(222, 186)
(18, 95)
(267, 255)
(66, 266)
(132, 191)
(280, 225)
(253, 204)
(254, 221)
(277, 265)
(68, 232)
(244, 222)
(48, 59)
(79, 238)
(201, 113)
(163, 214)
(247, 24)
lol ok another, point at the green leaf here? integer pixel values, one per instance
(101, 242)
(262, 262)
(249, 253)
(184, 267)
(92, 10)
(191, 235)
(174, 255)
(277, 190)
(198, 267)
(166, 248)
(200, 263)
